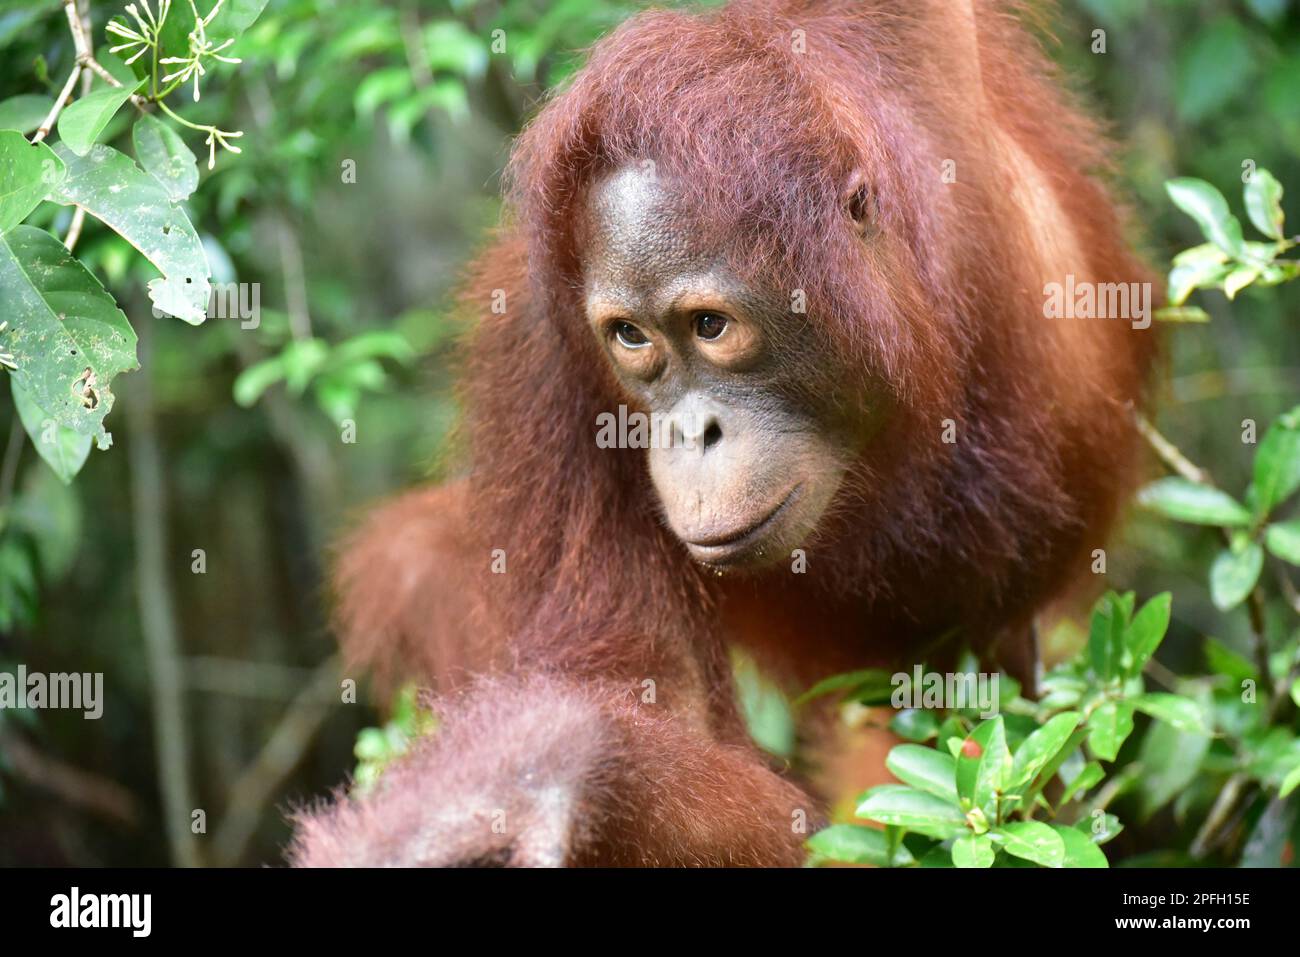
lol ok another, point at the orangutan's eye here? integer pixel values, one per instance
(629, 336)
(710, 325)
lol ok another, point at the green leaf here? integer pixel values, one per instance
(24, 112)
(1290, 782)
(1032, 841)
(915, 724)
(855, 844)
(1264, 203)
(973, 850)
(1173, 709)
(1185, 501)
(1040, 747)
(27, 174)
(452, 47)
(380, 87)
(164, 156)
(875, 678)
(984, 764)
(67, 336)
(63, 449)
(1089, 776)
(1234, 573)
(1277, 463)
(1146, 631)
(236, 17)
(121, 195)
(1283, 540)
(1080, 851)
(1239, 279)
(256, 379)
(1106, 637)
(1181, 314)
(925, 768)
(1206, 205)
(915, 810)
(1109, 726)
(84, 120)
(1170, 758)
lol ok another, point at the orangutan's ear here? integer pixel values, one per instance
(861, 203)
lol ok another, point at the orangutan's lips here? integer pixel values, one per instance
(727, 544)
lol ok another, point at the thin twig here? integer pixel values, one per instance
(74, 228)
(92, 792)
(48, 123)
(1169, 453)
(277, 759)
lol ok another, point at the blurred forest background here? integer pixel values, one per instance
(412, 93)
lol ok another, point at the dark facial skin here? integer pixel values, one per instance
(754, 463)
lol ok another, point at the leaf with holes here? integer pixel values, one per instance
(66, 334)
(134, 205)
(63, 449)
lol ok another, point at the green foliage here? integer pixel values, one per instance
(376, 748)
(1228, 261)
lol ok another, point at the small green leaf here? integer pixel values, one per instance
(27, 174)
(84, 120)
(1187, 314)
(915, 810)
(973, 850)
(1277, 463)
(1283, 540)
(1173, 709)
(1239, 279)
(915, 724)
(855, 844)
(925, 768)
(62, 448)
(870, 677)
(164, 156)
(983, 763)
(1089, 776)
(1195, 275)
(1032, 841)
(1206, 205)
(1170, 759)
(1185, 501)
(1146, 631)
(1109, 726)
(1106, 637)
(1080, 851)
(1234, 573)
(1290, 782)
(1264, 203)
(1041, 746)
